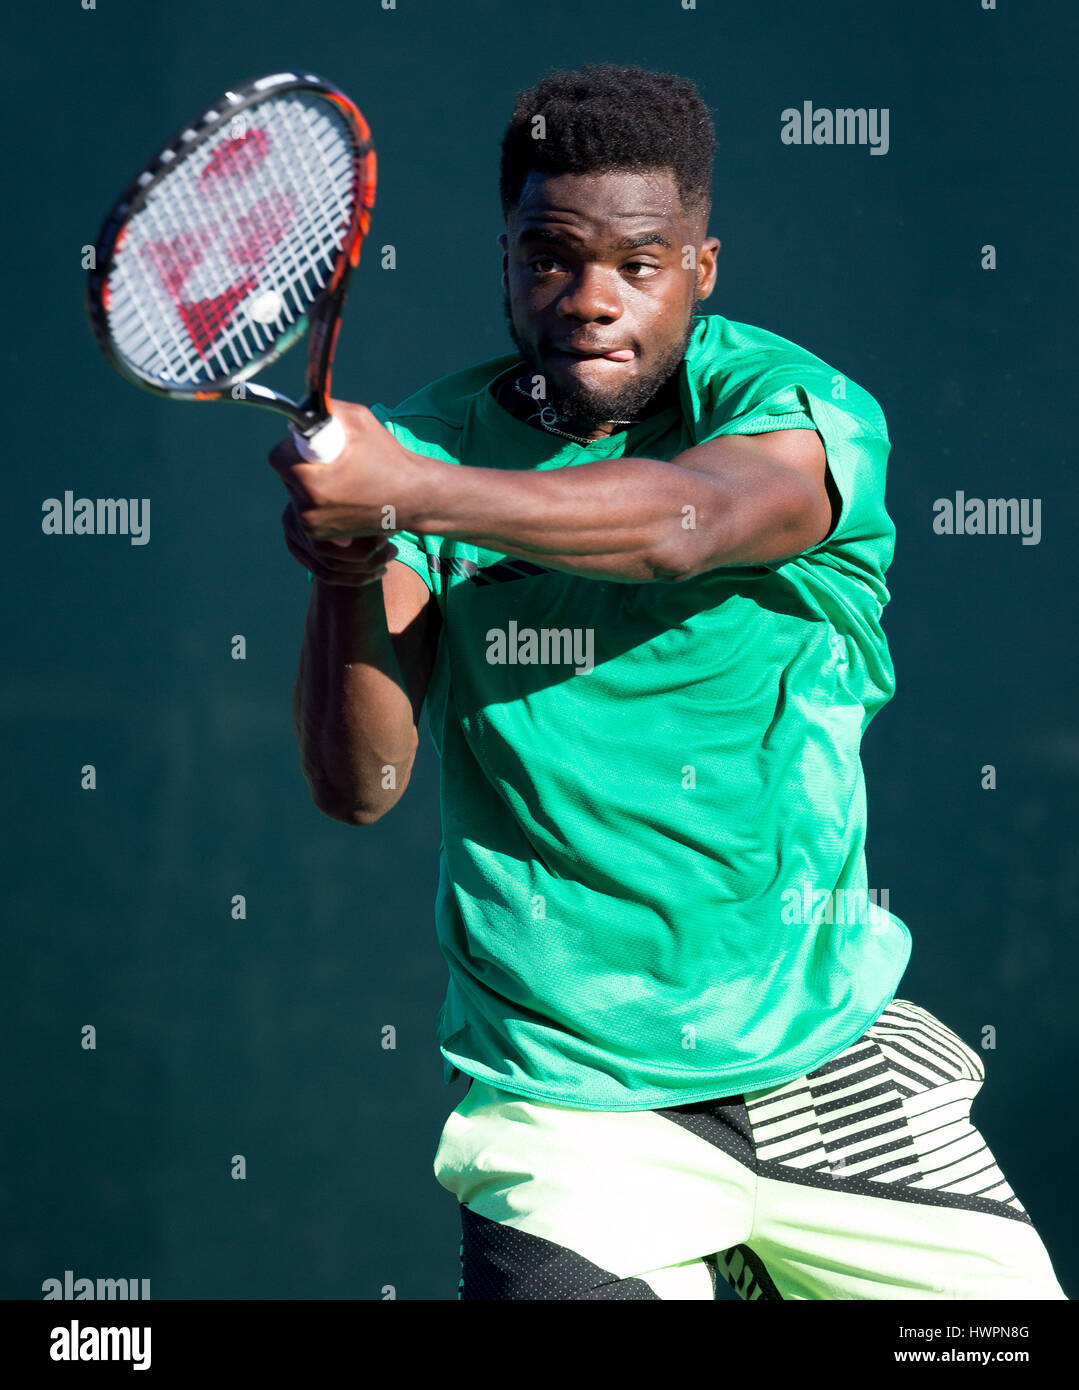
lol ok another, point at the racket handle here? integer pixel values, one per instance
(323, 447)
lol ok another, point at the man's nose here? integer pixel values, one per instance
(594, 294)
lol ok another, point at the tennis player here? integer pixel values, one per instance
(637, 571)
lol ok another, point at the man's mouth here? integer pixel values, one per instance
(592, 354)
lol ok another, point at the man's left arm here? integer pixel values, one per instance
(735, 500)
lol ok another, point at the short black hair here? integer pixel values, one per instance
(601, 118)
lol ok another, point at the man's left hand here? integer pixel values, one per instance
(367, 489)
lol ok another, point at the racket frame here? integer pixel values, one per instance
(321, 318)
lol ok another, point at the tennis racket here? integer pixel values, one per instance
(232, 243)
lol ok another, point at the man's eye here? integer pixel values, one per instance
(542, 264)
(641, 269)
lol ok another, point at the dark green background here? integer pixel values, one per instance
(262, 1037)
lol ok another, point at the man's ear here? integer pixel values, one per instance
(706, 266)
(504, 243)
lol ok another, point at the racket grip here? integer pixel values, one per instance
(323, 447)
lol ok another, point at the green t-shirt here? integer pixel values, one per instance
(653, 886)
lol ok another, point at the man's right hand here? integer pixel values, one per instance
(362, 562)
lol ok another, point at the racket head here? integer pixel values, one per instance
(234, 241)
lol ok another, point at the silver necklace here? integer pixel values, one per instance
(546, 416)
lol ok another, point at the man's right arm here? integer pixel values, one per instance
(367, 656)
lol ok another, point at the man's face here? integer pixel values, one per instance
(601, 274)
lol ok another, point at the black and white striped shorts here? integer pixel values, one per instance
(864, 1179)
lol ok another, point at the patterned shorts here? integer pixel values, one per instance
(864, 1179)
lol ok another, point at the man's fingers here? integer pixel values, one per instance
(358, 553)
(284, 455)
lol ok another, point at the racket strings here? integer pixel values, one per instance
(293, 266)
(161, 214)
(152, 308)
(166, 217)
(233, 246)
(297, 269)
(204, 320)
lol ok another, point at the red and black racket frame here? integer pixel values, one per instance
(323, 316)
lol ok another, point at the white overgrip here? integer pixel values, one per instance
(323, 447)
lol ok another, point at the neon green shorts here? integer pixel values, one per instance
(864, 1179)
